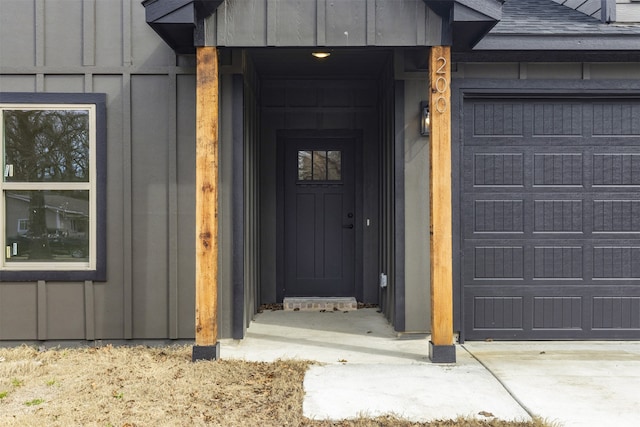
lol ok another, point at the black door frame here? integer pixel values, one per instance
(282, 137)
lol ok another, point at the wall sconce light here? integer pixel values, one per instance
(425, 119)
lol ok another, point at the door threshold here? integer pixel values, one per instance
(320, 304)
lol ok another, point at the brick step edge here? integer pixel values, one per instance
(319, 304)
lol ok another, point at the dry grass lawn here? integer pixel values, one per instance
(140, 386)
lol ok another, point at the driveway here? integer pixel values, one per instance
(572, 383)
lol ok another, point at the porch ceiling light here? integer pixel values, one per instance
(425, 118)
(321, 55)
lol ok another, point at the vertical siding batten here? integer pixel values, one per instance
(40, 43)
(172, 202)
(127, 193)
(239, 279)
(88, 83)
(127, 198)
(421, 23)
(321, 22)
(371, 22)
(42, 310)
(399, 318)
(88, 32)
(39, 34)
(89, 312)
(127, 40)
(271, 22)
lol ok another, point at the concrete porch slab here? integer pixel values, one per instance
(368, 369)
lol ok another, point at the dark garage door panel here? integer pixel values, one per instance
(550, 218)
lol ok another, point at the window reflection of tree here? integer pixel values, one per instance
(319, 165)
(304, 166)
(45, 146)
(334, 165)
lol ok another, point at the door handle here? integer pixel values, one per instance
(347, 226)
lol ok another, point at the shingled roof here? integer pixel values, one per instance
(588, 7)
(546, 24)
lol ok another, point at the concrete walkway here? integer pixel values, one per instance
(367, 369)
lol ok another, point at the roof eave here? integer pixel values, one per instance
(576, 42)
(490, 9)
(471, 20)
(176, 20)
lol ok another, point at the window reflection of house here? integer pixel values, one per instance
(66, 216)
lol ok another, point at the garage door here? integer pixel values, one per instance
(550, 218)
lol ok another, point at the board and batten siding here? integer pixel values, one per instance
(104, 46)
(255, 23)
(416, 211)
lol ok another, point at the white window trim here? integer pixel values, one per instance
(6, 265)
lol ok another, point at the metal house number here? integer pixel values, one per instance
(441, 85)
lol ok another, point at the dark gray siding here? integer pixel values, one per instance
(185, 204)
(289, 23)
(104, 46)
(416, 213)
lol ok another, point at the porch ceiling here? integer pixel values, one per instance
(284, 62)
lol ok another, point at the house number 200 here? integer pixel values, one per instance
(441, 85)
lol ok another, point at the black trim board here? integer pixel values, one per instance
(546, 56)
(237, 202)
(100, 101)
(399, 321)
(575, 42)
(279, 217)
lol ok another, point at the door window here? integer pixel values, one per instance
(319, 165)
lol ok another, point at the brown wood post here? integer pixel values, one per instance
(441, 348)
(207, 100)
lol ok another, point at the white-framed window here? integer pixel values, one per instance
(49, 188)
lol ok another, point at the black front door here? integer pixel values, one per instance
(319, 217)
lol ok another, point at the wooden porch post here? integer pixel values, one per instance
(441, 348)
(207, 100)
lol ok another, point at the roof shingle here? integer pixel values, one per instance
(549, 17)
